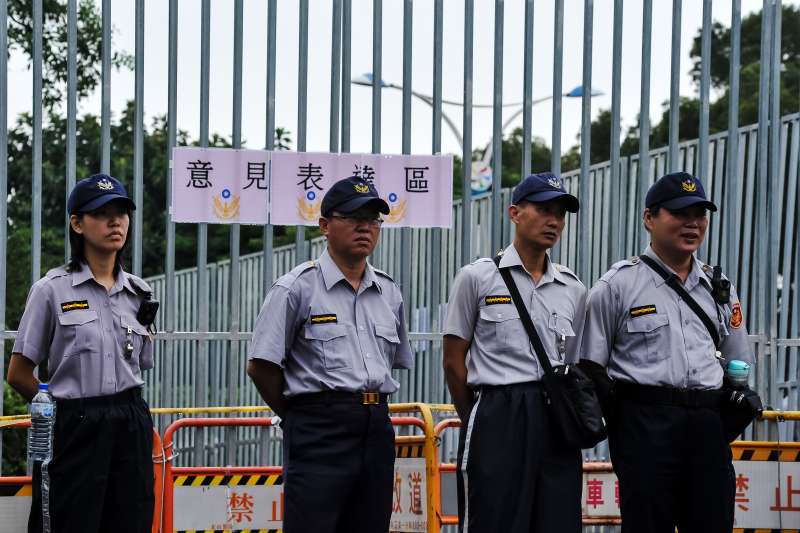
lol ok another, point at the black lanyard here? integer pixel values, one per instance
(674, 283)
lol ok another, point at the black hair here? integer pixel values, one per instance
(77, 243)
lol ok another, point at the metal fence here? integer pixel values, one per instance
(751, 172)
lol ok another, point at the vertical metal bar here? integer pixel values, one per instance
(466, 153)
(674, 88)
(336, 73)
(105, 99)
(234, 310)
(702, 169)
(732, 173)
(497, 127)
(138, 141)
(377, 73)
(170, 298)
(705, 85)
(405, 233)
(644, 114)
(347, 17)
(302, 112)
(436, 237)
(3, 190)
(266, 264)
(527, 91)
(36, 186)
(201, 384)
(558, 73)
(616, 98)
(584, 252)
(762, 267)
(775, 184)
(72, 54)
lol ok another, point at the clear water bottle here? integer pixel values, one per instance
(43, 417)
(737, 373)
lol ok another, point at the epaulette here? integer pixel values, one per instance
(483, 260)
(140, 285)
(57, 272)
(620, 265)
(565, 270)
(290, 277)
(382, 273)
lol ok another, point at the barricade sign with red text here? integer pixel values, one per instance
(225, 186)
(767, 488)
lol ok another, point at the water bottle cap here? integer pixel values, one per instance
(43, 386)
(736, 364)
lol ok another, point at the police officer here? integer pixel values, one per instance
(665, 433)
(324, 345)
(513, 473)
(81, 319)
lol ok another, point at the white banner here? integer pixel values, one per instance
(225, 186)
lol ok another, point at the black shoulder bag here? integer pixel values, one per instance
(570, 393)
(740, 405)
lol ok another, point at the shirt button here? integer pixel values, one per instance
(499, 315)
(105, 304)
(686, 321)
(368, 356)
(361, 328)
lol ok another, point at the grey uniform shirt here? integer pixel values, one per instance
(327, 336)
(645, 333)
(82, 329)
(480, 309)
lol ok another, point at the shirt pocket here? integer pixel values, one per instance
(388, 340)
(138, 338)
(331, 340)
(508, 331)
(651, 333)
(80, 331)
(561, 329)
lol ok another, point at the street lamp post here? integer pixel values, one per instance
(481, 170)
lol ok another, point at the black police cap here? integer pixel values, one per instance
(349, 194)
(544, 187)
(96, 191)
(676, 191)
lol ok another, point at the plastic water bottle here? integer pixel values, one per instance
(43, 417)
(737, 372)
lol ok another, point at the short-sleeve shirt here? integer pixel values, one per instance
(481, 310)
(328, 336)
(82, 330)
(643, 332)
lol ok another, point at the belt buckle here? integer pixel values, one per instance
(370, 398)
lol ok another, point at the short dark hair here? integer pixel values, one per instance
(78, 255)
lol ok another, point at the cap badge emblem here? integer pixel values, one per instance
(689, 186)
(362, 188)
(105, 185)
(554, 182)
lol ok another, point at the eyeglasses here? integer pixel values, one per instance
(354, 220)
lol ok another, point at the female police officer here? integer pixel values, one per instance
(82, 319)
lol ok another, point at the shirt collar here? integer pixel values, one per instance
(695, 274)
(332, 274)
(85, 274)
(510, 258)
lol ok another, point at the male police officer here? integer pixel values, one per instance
(514, 475)
(324, 345)
(665, 433)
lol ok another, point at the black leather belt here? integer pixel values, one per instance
(121, 398)
(656, 395)
(335, 396)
